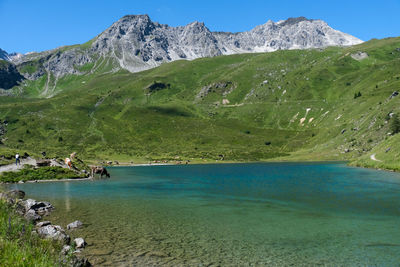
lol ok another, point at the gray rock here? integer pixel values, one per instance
(80, 242)
(9, 75)
(29, 203)
(40, 207)
(54, 232)
(15, 194)
(44, 223)
(75, 224)
(32, 216)
(65, 249)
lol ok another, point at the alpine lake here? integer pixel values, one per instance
(258, 214)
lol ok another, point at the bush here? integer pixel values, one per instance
(395, 124)
(43, 173)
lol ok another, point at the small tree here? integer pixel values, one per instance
(395, 124)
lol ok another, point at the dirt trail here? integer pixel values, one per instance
(27, 161)
(13, 167)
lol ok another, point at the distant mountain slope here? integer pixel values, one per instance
(333, 103)
(3, 55)
(136, 43)
(9, 75)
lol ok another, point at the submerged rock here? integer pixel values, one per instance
(74, 225)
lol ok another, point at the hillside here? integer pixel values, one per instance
(316, 104)
(136, 43)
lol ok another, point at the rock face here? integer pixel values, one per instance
(9, 57)
(9, 75)
(136, 43)
(3, 55)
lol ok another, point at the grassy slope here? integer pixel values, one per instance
(104, 115)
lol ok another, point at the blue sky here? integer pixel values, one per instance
(37, 25)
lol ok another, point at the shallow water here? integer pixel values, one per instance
(272, 214)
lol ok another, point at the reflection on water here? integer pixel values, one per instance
(233, 215)
(67, 197)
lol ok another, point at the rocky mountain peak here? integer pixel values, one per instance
(293, 21)
(3, 54)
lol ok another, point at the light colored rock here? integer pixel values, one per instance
(44, 223)
(40, 207)
(359, 55)
(32, 216)
(80, 242)
(54, 232)
(73, 225)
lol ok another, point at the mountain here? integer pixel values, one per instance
(3, 55)
(9, 75)
(337, 103)
(136, 43)
(10, 57)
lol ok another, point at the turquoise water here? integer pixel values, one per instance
(272, 214)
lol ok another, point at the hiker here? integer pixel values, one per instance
(17, 159)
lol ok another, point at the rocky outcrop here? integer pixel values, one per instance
(9, 75)
(53, 232)
(136, 43)
(3, 55)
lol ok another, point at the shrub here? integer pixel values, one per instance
(43, 173)
(395, 124)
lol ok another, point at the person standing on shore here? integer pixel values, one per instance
(17, 159)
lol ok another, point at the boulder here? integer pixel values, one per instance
(73, 225)
(40, 207)
(79, 242)
(44, 223)
(32, 216)
(14, 194)
(54, 232)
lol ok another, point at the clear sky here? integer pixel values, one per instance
(37, 25)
